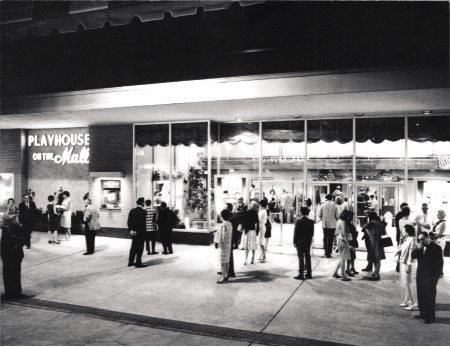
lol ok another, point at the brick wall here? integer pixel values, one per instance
(111, 150)
(13, 158)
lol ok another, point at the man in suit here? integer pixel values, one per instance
(166, 222)
(430, 264)
(91, 225)
(27, 215)
(303, 234)
(329, 215)
(241, 206)
(137, 228)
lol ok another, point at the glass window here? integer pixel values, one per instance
(238, 152)
(110, 194)
(380, 149)
(190, 174)
(429, 163)
(152, 164)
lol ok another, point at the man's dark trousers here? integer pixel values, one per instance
(426, 294)
(328, 238)
(304, 256)
(90, 240)
(136, 250)
(166, 239)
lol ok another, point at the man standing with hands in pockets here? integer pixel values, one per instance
(137, 228)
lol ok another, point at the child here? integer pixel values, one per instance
(222, 240)
(52, 220)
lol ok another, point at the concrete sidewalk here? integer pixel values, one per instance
(263, 298)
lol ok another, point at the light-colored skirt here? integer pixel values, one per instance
(251, 240)
(344, 251)
(406, 278)
(66, 220)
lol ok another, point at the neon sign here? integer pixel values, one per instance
(68, 141)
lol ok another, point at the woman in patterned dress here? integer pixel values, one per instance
(222, 239)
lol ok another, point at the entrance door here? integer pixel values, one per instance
(228, 189)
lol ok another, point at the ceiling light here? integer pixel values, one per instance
(239, 120)
(359, 114)
(427, 112)
(297, 116)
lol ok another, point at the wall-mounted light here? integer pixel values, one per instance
(297, 116)
(358, 114)
(239, 120)
(427, 112)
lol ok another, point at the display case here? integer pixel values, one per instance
(110, 194)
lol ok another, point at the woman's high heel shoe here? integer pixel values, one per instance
(405, 304)
(336, 276)
(348, 273)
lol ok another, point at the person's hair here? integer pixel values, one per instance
(403, 204)
(406, 211)
(329, 197)
(88, 200)
(66, 193)
(163, 204)
(253, 204)
(273, 199)
(373, 216)
(229, 206)
(345, 198)
(226, 214)
(424, 204)
(148, 202)
(86, 196)
(26, 195)
(304, 211)
(263, 203)
(344, 215)
(410, 230)
(50, 198)
(308, 202)
(241, 199)
(10, 199)
(338, 200)
(424, 233)
(372, 196)
(442, 213)
(140, 201)
(253, 186)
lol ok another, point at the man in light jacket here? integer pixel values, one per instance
(91, 225)
(329, 214)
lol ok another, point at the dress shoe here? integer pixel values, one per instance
(299, 277)
(170, 252)
(50, 241)
(328, 255)
(165, 253)
(354, 272)
(86, 253)
(308, 277)
(148, 253)
(348, 273)
(140, 265)
(366, 269)
(231, 275)
(374, 278)
(346, 279)
(419, 317)
(336, 276)
(131, 264)
(219, 272)
(154, 252)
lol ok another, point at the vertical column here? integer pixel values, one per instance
(170, 166)
(305, 162)
(209, 174)
(354, 190)
(260, 161)
(218, 149)
(134, 168)
(406, 161)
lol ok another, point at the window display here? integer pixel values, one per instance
(6, 188)
(110, 194)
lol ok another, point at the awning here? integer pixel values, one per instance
(42, 18)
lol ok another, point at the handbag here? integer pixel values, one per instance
(268, 233)
(386, 242)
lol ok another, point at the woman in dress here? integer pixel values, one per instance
(405, 220)
(353, 241)
(52, 221)
(439, 231)
(251, 229)
(375, 251)
(66, 217)
(262, 240)
(222, 240)
(406, 263)
(343, 245)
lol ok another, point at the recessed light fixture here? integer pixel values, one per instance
(239, 120)
(297, 116)
(358, 114)
(427, 112)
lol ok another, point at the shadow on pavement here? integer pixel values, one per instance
(442, 307)
(255, 276)
(443, 320)
(159, 261)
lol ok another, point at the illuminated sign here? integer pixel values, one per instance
(68, 141)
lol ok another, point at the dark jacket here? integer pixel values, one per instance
(304, 231)
(398, 234)
(27, 215)
(137, 220)
(12, 244)
(167, 219)
(431, 263)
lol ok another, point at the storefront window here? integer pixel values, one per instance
(239, 154)
(152, 154)
(429, 162)
(190, 174)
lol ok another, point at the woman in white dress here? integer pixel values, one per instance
(405, 220)
(406, 265)
(250, 225)
(439, 231)
(222, 239)
(66, 217)
(262, 218)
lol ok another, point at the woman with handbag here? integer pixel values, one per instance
(406, 265)
(375, 251)
(343, 245)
